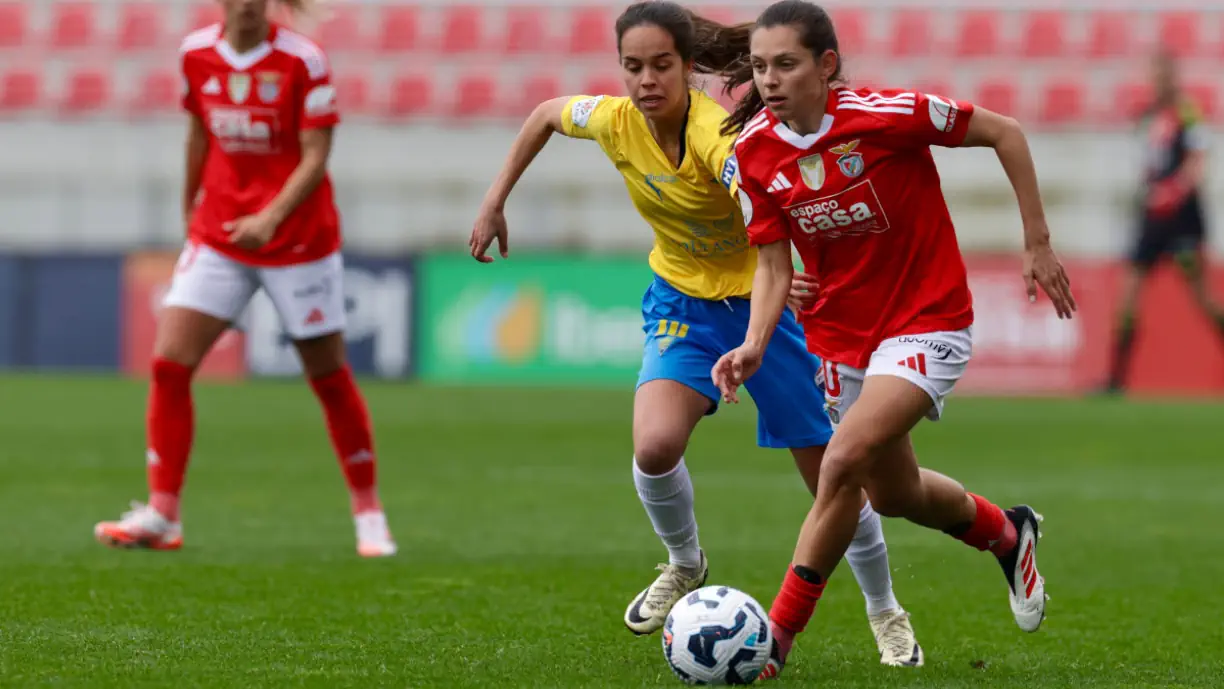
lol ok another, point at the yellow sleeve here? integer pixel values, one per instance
(588, 117)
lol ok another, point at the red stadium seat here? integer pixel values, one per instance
(205, 15)
(526, 31)
(603, 85)
(160, 92)
(352, 94)
(411, 95)
(1130, 100)
(591, 32)
(72, 25)
(141, 26)
(476, 96)
(20, 89)
(14, 21)
(979, 34)
(938, 87)
(1110, 35)
(1062, 102)
(999, 96)
(534, 91)
(1044, 34)
(400, 29)
(1204, 95)
(1179, 33)
(342, 29)
(852, 27)
(88, 90)
(911, 33)
(462, 29)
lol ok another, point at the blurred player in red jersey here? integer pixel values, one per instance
(848, 177)
(1171, 220)
(260, 214)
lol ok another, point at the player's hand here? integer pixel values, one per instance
(735, 367)
(1042, 267)
(490, 225)
(251, 231)
(803, 292)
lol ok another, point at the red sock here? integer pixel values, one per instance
(170, 430)
(795, 603)
(991, 529)
(348, 424)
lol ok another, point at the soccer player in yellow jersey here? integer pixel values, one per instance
(664, 138)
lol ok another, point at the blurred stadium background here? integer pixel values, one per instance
(432, 94)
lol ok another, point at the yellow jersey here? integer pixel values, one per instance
(700, 244)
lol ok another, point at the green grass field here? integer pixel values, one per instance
(522, 541)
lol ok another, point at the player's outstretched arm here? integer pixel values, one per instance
(491, 221)
(771, 286)
(197, 153)
(1041, 265)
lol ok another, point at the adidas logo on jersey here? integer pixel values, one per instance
(211, 87)
(780, 183)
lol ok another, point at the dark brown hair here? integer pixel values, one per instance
(711, 47)
(816, 33)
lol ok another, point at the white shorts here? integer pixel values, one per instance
(309, 297)
(932, 361)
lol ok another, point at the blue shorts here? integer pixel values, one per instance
(685, 337)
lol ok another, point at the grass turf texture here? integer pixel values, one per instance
(522, 541)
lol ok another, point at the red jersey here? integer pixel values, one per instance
(254, 106)
(861, 201)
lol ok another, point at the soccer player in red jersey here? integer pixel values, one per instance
(260, 214)
(847, 176)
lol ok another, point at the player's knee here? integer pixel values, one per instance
(657, 451)
(845, 463)
(321, 356)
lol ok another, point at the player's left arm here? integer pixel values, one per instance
(318, 117)
(1041, 265)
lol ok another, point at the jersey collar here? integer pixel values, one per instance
(240, 62)
(806, 141)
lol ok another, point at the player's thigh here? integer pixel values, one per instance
(887, 408)
(207, 293)
(309, 297)
(786, 390)
(665, 412)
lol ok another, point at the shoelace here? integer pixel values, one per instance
(663, 591)
(895, 635)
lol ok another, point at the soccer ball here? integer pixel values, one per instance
(717, 635)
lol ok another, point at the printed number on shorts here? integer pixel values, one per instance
(671, 329)
(832, 381)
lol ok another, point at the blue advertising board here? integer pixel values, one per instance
(69, 312)
(10, 291)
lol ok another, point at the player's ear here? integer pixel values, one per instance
(829, 63)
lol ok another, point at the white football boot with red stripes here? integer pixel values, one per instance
(1027, 595)
(140, 527)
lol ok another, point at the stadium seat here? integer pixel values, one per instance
(160, 92)
(411, 95)
(72, 25)
(205, 14)
(999, 96)
(1204, 95)
(1062, 102)
(400, 29)
(20, 89)
(14, 25)
(341, 32)
(476, 96)
(535, 90)
(591, 32)
(141, 26)
(1109, 35)
(462, 29)
(603, 84)
(526, 31)
(853, 36)
(1044, 34)
(87, 90)
(911, 33)
(1130, 100)
(938, 87)
(352, 94)
(978, 35)
(1179, 33)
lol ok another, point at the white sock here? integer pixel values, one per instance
(668, 500)
(868, 558)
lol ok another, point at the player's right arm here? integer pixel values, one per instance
(579, 117)
(197, 149)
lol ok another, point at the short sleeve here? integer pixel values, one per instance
(934, 121)
(717, 154)
(764, 220)
(317, 109)
(189, 100)
(587, 117)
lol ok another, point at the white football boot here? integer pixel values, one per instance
(1026, 586)
(894, 636)
(647, 613)
(140, 527)
(373, 535)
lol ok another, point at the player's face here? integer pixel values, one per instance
(245, 15)
(655, 76)
(789, 78)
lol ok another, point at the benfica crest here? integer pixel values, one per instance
(813, 171)
(269, 86)
(849, 161)
(239, 87)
